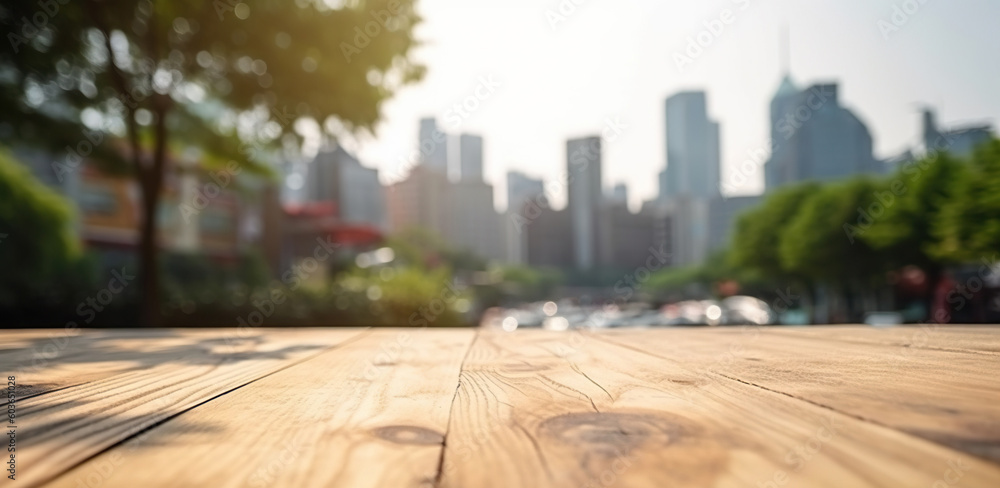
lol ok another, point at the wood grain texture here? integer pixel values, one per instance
(371, 413)
(541, 409)
(722, 407)
(48, 360)
(64, 427)
(950, 397)
(944, 337)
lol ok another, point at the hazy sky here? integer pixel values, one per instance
(614, 59)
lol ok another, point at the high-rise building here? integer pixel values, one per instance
(472, 223)
(583, 170)
(815, 138)
(547, 238)
(336, 176)
(636, 237)
(521, 189)
(470, 151)
(722, 215)
(619, 194)
(525, 202)
(692, 176)
(692, 148)
(433, 145)
(689, 229)
(419, 201)
(959, 141)
(461, 213)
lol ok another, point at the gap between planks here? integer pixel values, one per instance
(451, 409)
(366, 414)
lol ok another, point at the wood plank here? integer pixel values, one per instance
(52, 359)
(605, 414)
(371, 413)
(945, 337)
(952, 398)
(63, 428)
(34, 358)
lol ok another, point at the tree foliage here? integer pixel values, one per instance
(817, 242)
(968, 224)
(758, 233)
(135, 83)
(933, 212)
(908, 232)
(36, 243)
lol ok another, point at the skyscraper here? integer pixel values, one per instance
(522, 190)
(335, 175)
(470, 151)
(959, 141)
(433, 145)
(461, 213)
(419, 201)
(692, 148)
(472, 223)
(782, 165)
(619, 194)
(815, 138)
(583, 170)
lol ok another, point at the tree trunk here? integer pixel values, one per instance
(149, 270)
(152, 184)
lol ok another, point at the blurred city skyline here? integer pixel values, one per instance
(877, 151)
(562, 73)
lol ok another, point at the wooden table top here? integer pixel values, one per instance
(727, 407)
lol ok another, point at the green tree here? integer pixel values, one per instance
(820, 245)
(128, 81)
(37, 246)
(678, 281)
(757, 236)
(968, 225)
(519, 284)
(913, 199)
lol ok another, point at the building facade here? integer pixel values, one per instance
(419, 201)
(461, 212)
(815, 138)
(338, 177)
(959, 141)
(692, 148)
(550, 240)
(525, 197)
(722, 215)
(470, 152)
(433, 145)
(635, 237)
(583, 169)
(472, 222)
